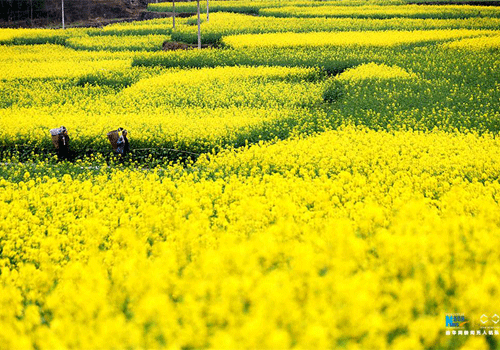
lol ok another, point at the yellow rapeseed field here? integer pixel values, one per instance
(377, 11)
(118, 42)
(490, 42)
(364, 38)
(196, 108)
(224, 24)
(348, 237)
(54, 61)
(309, 182)
(376, 71)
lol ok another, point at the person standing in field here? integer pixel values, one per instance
(123, 146)
(63, 144)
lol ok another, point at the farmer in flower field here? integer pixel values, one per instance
(123, 146)
(63, 144)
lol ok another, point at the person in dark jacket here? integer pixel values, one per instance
(123, 146)
(63, 145)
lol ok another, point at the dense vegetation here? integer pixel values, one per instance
(338, 184)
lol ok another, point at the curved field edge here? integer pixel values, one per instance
(438, 96)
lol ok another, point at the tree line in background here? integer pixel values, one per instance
(50, 10)
(14, 10)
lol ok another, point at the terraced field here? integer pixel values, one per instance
(325, 175)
